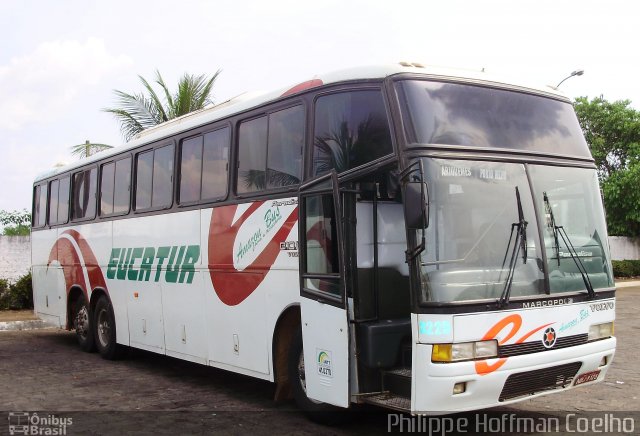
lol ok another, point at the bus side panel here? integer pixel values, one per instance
(281, 297)
(140, 290)
(84, 252)
(48, 280)
(252, 278)
(68, 257)
(157, 260)
(182, 288)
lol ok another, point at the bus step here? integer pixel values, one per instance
(389, 401)
(397, 381)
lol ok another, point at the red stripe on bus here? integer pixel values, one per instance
(72, 267)
(302, 87)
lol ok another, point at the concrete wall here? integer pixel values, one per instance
(15, 253)
(623, 248)
(15, 256)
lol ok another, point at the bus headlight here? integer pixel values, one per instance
(464, 351)
(600, 331)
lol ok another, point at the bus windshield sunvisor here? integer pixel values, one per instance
(478, 116)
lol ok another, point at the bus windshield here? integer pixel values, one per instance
(477, 116)
(475, 208)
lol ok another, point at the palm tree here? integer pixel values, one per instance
(88, 149)
(345, 148)
(139, 111)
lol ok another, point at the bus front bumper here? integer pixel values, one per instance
(433, 383)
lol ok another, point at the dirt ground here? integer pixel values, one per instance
(43, 371)
(16, 315)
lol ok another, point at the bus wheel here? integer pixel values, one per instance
(320, 412)
(105, 330)
(82, 325)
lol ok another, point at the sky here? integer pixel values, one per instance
(60, 61)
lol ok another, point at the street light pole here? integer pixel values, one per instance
(575, 73)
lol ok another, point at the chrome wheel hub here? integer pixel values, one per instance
(81, 322)
(104, 329)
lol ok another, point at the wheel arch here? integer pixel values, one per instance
(285, 328)
(95, 296)
(75, 291)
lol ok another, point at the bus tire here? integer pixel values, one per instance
(317, 411)
(105, 330)
(82, 324)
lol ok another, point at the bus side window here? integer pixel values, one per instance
(154, 178)
(53, 202)
(39, 205)
(106, 188)
(114, 187)
(284, 149)
(122, 187)
(162, 194)
(204, 166)
(252, 155)
(144, 176)
(215, 164)
(190, 170)
(350, 129)
(63, 200)
(59, 201)
(84, 194)
(270, 151)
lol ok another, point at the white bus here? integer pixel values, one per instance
(420, 239)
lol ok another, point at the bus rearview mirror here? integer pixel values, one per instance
(415, 205)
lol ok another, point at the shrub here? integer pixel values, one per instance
(626, 268)
(18, 295)
(4, 294)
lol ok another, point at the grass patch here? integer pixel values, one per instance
(626, 268)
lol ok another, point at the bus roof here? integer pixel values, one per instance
(248, 101)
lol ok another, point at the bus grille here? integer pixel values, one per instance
(537, 346)
(533, 382)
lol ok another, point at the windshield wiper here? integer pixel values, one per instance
(560, 230)
(523, 227)
(520, 244)
(552, 223)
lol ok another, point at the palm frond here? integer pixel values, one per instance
(129, 125)
(88, 149)
(159, 112)
(278, 179)
(184, 95)
(167, 95)
(203, 97)
(137, 112)
(254, 179)
(138, 107)
(334, 149)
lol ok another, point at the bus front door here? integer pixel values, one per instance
(325, 324)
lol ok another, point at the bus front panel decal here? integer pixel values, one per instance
(257, 235)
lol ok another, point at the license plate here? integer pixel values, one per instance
(587, 377)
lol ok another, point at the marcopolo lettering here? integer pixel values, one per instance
(547, 303)
(143, 264)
